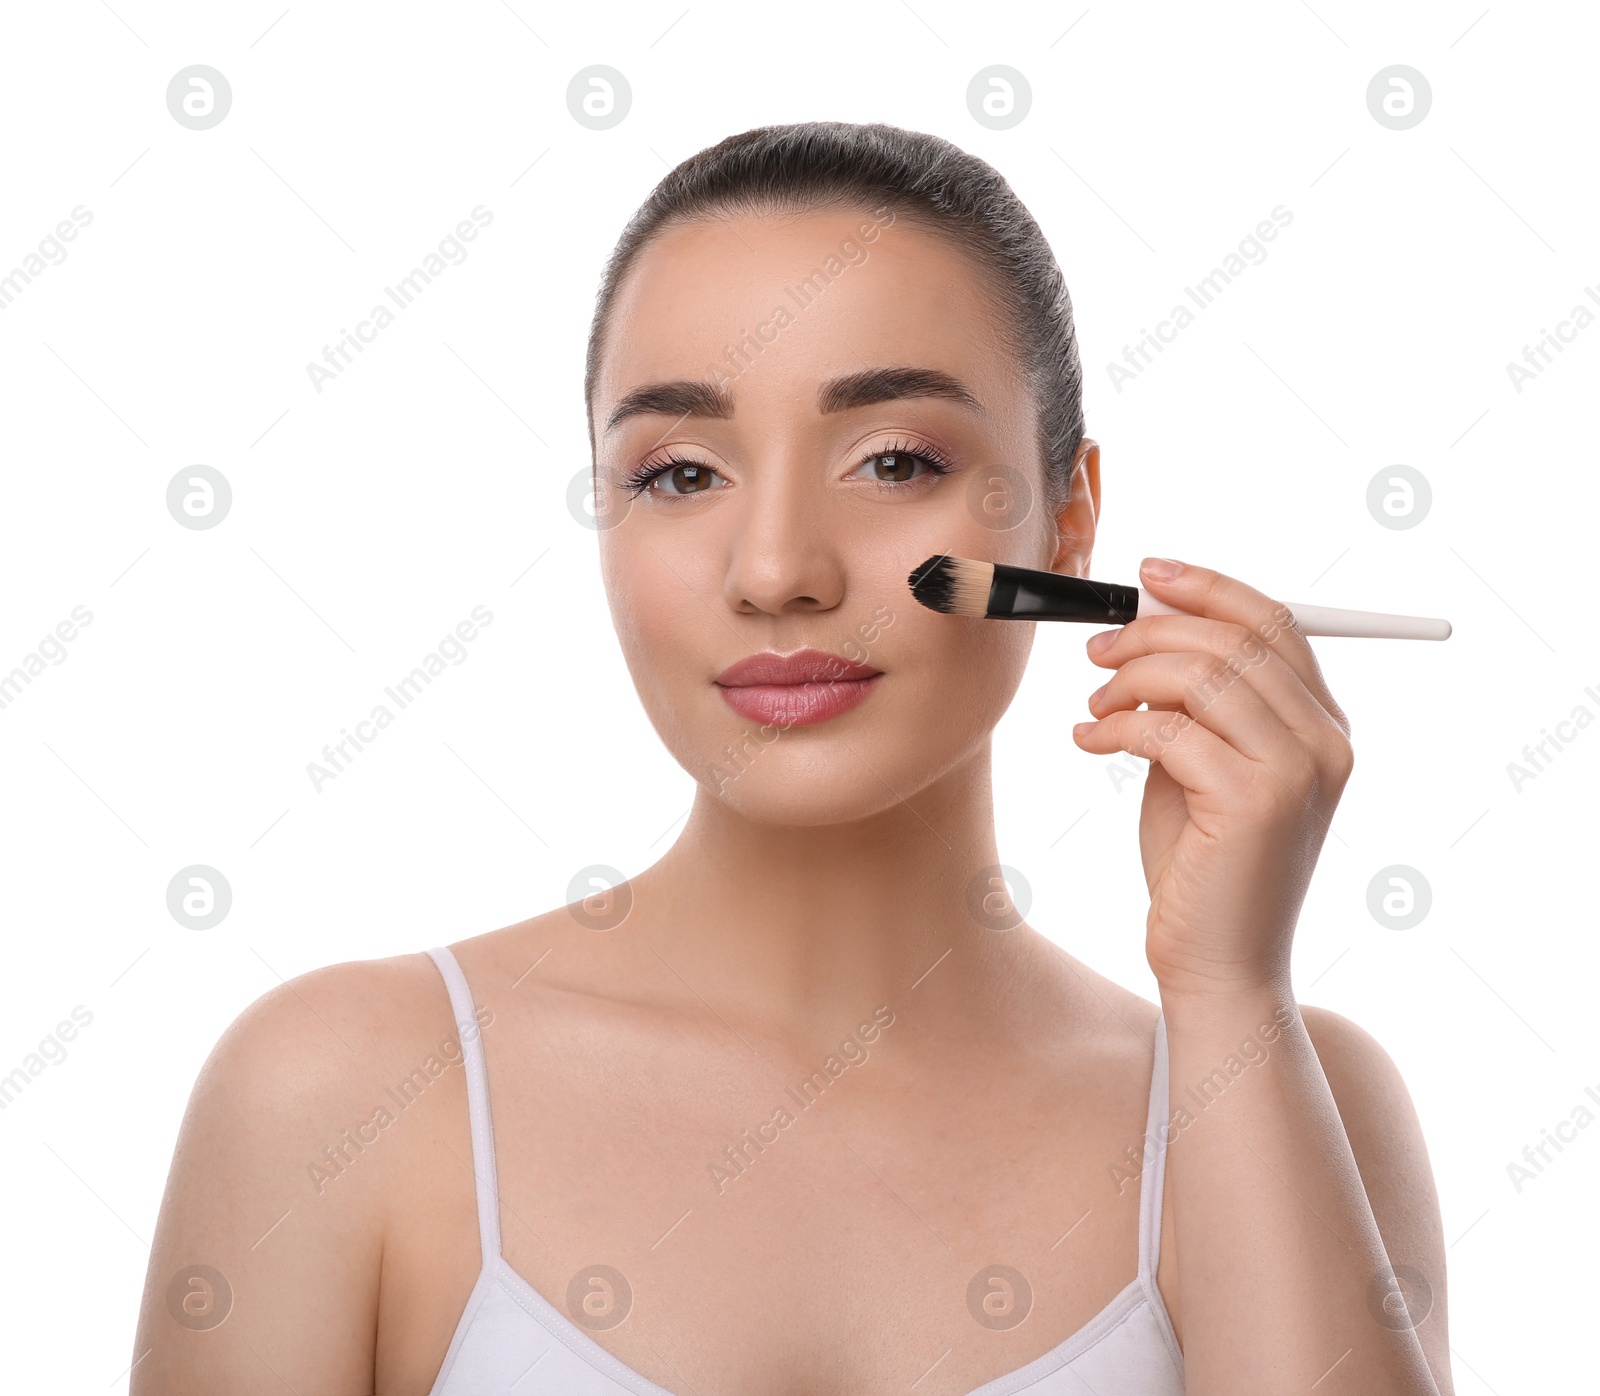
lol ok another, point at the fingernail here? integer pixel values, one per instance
(1163, 569)
(1101, 641)
(1096, 694)
(1079, 728)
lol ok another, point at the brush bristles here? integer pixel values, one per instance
(957, 586)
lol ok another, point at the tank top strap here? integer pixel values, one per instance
(1157, 1130)
(471, 1038)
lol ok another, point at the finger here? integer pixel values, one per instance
(1218, 697)
(1215, 648)
(1203, 591)
(1195, 757)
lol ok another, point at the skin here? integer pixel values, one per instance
(823, 876)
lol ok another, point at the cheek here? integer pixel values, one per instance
(960, 673)
(660, 626)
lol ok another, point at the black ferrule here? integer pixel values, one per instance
(1024, 593)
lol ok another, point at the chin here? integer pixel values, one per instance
(838, 772)
(835, 788)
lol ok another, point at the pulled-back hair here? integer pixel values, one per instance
(826, 164)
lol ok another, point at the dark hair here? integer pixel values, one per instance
(819, 164)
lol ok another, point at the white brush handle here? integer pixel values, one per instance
(1332, 620)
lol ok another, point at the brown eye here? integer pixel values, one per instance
(681, 477)
(688, 479)
(897, 466)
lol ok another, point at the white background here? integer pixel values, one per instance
(432, 475)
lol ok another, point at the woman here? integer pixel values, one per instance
(804, 1107)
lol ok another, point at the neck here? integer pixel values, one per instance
(795, 926)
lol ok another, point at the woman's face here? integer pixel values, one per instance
(799, 381)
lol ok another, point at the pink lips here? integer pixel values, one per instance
(795, 690)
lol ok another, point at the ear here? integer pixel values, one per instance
(1076, 519)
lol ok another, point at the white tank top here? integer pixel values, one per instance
(512, 1340)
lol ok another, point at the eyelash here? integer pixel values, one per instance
(639, 480)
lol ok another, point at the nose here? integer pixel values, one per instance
(783, 555)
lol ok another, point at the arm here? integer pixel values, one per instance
(295, 1307)
(1288, 1178)
(1299, 1184)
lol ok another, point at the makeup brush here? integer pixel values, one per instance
(962, 586)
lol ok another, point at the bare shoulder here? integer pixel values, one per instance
(299, 1049)
(278, 1109)
(1118, 1019)
(1392, 1157)
(1367, 1087)
(561, 956)
(351, 1004)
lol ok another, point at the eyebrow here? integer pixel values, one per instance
(699, 398)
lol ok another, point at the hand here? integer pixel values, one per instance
(1249, 755)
